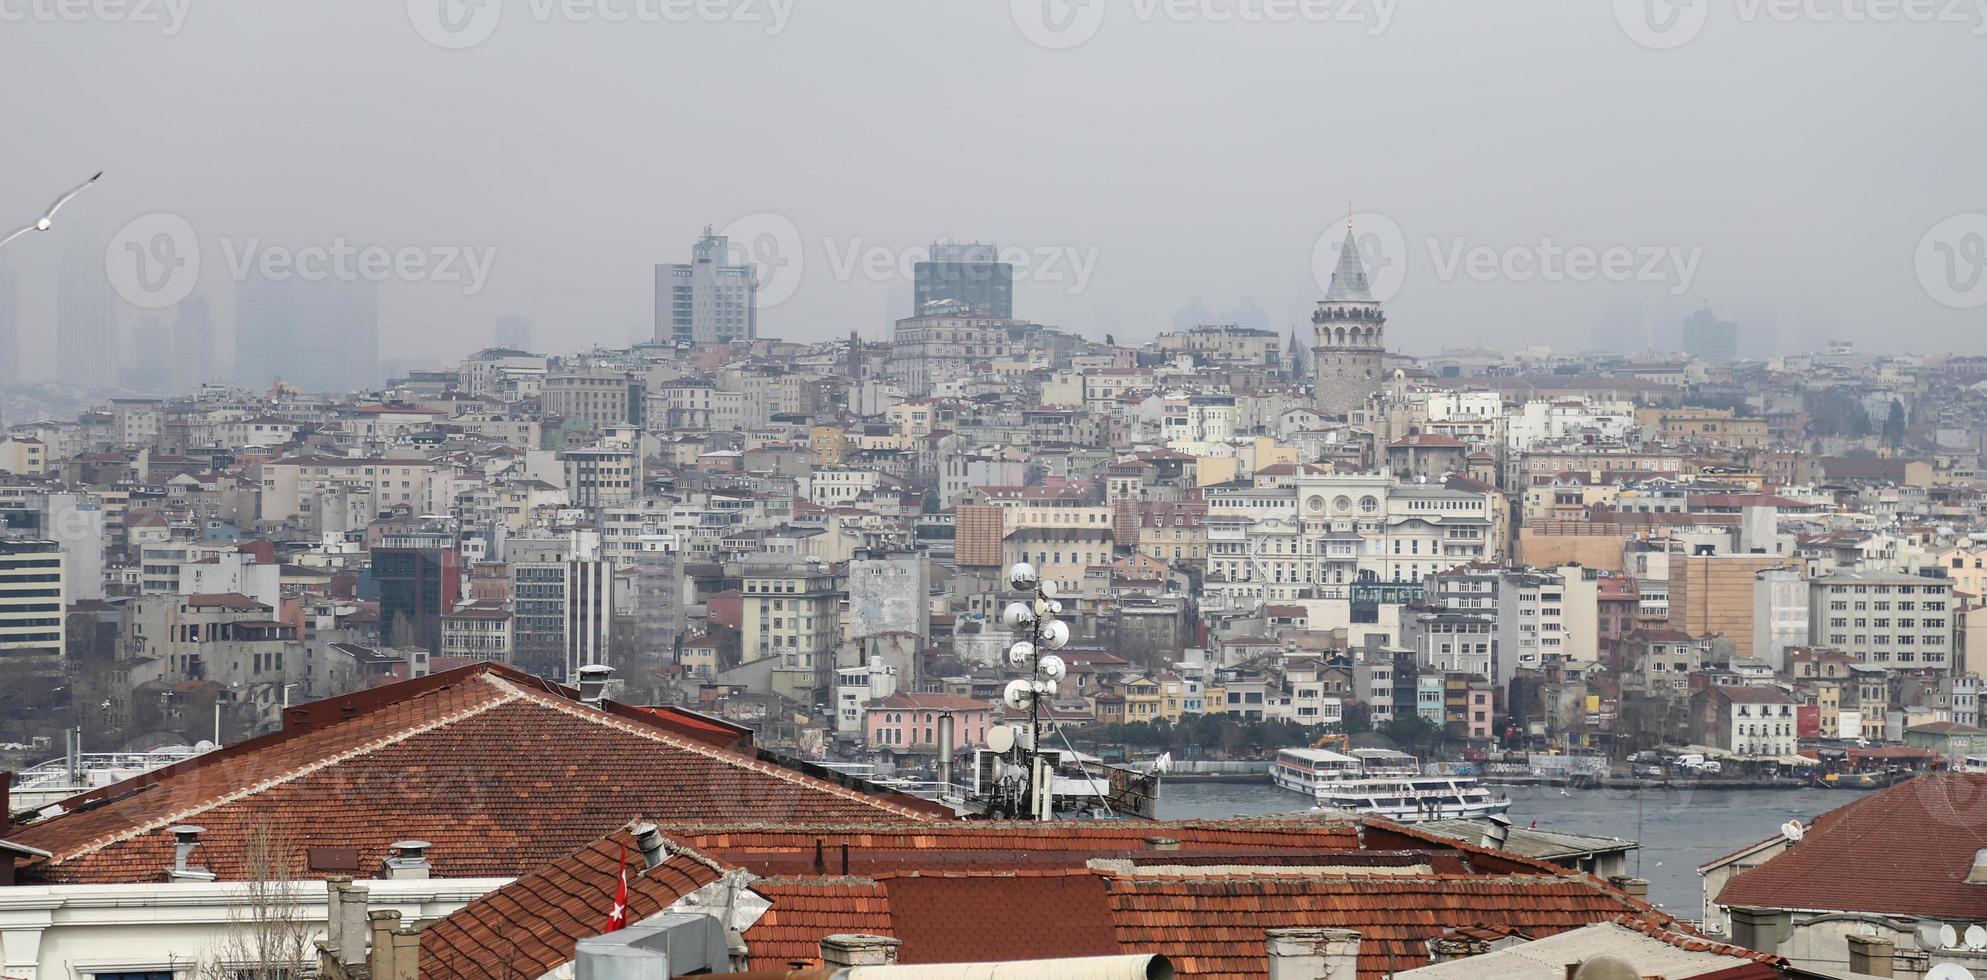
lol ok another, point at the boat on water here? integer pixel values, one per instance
(1383, 783)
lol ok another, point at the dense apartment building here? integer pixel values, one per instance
(1895, 622)
(32, 597)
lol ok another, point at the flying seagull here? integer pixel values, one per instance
(48, 217)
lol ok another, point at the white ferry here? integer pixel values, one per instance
(1383, 783)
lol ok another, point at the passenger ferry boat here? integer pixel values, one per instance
(1381, 782)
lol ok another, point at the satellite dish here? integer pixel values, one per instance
(1865, 929)
(1792, 830)
(1000, 739)
(1948, 936)
(1021, 654)
(1055, 635)
(1017, 615)
(1052, 667)
(1976, 937)
(1949, 971)
(1928, 935)
(1048, 589)
(1018, 694)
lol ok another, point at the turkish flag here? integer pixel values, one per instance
(618, 917)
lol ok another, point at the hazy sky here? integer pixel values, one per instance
(1785, 165)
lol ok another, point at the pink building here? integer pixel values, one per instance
(908, 723)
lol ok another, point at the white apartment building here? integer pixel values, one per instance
(31, 598)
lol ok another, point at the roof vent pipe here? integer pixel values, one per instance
(408, 861)
(593, 683)
(186, 837)
(649, 840)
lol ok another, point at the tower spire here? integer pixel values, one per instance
(1349, 283)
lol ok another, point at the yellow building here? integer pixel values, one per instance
(829, 444)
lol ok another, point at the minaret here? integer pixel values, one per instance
(1348, 358)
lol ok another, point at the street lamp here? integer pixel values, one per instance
(1035, 618)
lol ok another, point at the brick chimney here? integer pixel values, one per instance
(1313, 954)
(856, 949)
(1636, 888)
(1872, 955)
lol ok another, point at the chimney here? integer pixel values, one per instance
(649, 841)
(1162, 843)
(856, 949)
(1871, 955)
(1635, 888)
(945, 752)
(1759, 929)
(408, 860)
(186, 837)
(1499, 831)
(593, 683)
(1313, 954)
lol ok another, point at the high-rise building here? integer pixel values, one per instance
(31, 598)
(512, 332)
(193, 345)
(419, 574)
(1349, 330)
(151, 358)
(10, 341)
(1710, 339)
(86, 345)
(318, 335)
(968, 273)
(709, 300)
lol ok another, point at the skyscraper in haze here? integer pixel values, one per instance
(86, 341)
(318, 336)
(150, 372)
(193, 344)
(709, 300)
(969, 273)
(1710, 339)
(512, 331)
(10, 341)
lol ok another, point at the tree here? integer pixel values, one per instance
(268, 937)
(1412, 732)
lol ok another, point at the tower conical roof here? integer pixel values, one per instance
(1349, 283)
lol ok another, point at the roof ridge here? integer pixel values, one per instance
(365, 748)
(708, 751)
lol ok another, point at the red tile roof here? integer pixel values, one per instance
(1905, 850)
(565, 903)
(976, 891)
(501, 774)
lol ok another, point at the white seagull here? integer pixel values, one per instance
(48, 217)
